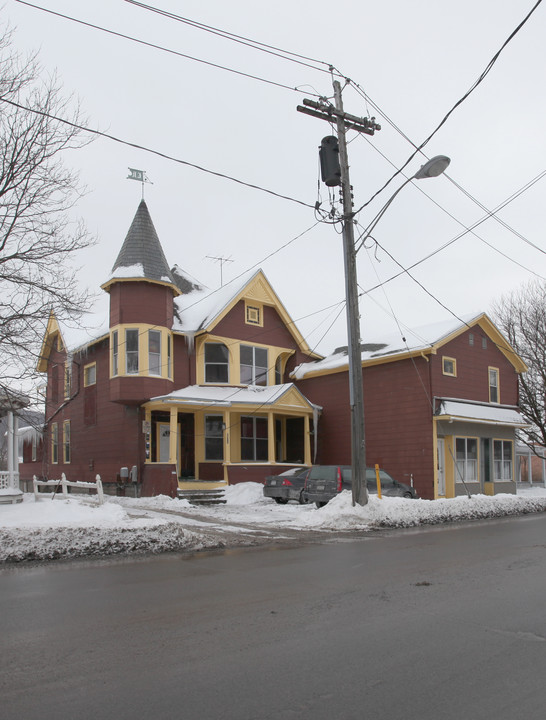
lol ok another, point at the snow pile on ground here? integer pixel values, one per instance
(79, 526)
(48, 530)
(393, 512)
(246, 493)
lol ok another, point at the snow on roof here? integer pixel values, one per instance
(196, 309)
(129, 271)
(490, 414)
(91, 326)
(418, 339)
(227, 396)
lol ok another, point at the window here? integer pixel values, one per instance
(471, 338)
(253, 315)
(253, 438)
(115, 352)
(90, 375)
(66, 441)
(54, 384)
(253, 365)
(493, 385)
(169, 355)
(154, 352)
(54, 443)
(449, 366)
(484, 342)
(67, 379)
(131, 352)
(214, 437)
(466, 450)
(34, 447)
(502, 460)
(216, 363)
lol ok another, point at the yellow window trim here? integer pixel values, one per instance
(446, 358)
(497, 373)
(254, 313)
(54, 443)
(85, 373)
(66, 426)
(234, 354)
(143, 350)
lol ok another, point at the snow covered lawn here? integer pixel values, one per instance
(60, 528)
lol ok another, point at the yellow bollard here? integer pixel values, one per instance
(378, 481)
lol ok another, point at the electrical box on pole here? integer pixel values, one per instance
(330, 168)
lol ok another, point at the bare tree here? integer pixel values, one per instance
(38, 237)
(521, 315)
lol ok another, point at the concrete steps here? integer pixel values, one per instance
(214, 496)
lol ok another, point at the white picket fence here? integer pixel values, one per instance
(64, 484)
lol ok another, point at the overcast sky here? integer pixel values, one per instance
(414, 60)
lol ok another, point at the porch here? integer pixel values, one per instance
(214, 436)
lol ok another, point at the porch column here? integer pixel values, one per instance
(11, 448)
(16, 452)
(270, 438)
(227, 444)
(173, 438)
(306, 441)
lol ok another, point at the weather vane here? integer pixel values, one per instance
(139, 175)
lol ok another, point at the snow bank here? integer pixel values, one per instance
(339, 514)
(246, 493)
(53, 529)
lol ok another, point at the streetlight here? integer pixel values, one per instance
(432, 168)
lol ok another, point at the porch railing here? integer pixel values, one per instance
(7, 482)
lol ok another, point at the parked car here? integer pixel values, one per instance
(286, 486)
(324, 482)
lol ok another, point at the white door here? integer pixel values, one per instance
(440, 459)
(164, 442)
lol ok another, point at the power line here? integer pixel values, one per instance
(99, 133)
(456, 105)
(449, 178)
(465, 232)
(163, 49)
(249, 42)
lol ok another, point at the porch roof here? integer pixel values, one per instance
(286, 395)
(451, 409)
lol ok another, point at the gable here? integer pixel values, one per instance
(258, 290)
(51, 336)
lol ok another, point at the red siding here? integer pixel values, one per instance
(141, 302)
(473, 361)
(398, 425)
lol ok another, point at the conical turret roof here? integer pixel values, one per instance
(141, 254)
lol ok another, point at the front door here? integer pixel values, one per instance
(440, 459)
(164, 431)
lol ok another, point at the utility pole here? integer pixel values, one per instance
(344, 121)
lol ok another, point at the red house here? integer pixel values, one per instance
(180, 386)
(441, 408)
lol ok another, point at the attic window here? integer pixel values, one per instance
(253, 315)
(449, 366)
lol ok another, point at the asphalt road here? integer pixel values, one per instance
(440, 623)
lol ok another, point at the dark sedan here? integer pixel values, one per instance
(325, 481)
(286, 486)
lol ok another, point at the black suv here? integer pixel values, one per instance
(324, 482)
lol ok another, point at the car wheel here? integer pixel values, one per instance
(320, 504)
(281, 501)
(408, 495)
